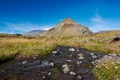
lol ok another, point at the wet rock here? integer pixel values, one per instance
(51, 64)
(65, 68)
(34, 57)
(24, 62)
(79, 77)
(77, 50)
(71, 49)
(54, 52)
(110, 57)
(93, 62)
(80, 56)
(68, 60)
(44, 63)
(72, 73)
(43, 77)
(91, 54)
(70, 55)
(50, 73)
(58, 49)
(94, 56)
(113, 54)
(79, 62)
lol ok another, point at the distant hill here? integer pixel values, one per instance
(68, 27)
(35, 33)
(106, 31)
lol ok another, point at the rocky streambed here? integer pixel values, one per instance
(64, 63)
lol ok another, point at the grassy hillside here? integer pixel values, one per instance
(10, 48)
(94, 42)
(28, 47)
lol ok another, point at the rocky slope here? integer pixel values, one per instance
(68, 27)
(35, 33)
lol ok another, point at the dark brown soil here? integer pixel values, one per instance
(49, 67)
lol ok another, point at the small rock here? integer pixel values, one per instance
(71, 49)
(91, 54)
(58, 49)
(24, 62)
(70, 55)
(77, 50)
(34, 58)
(51, 64)
(80, 56)
(65, 68)
(93, 62)
(94, 56)
(79, 77)
(50, 73)
(43, 77)
(44, 63)
(69, 60)
(79, 62)
(54, 52)
(113, 54)
(72, 73)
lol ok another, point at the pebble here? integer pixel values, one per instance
(34, 58)
(72, 73)
(70, 55)
(80, 56)
(77, 50)
(69, 60)
(51, 64)
(79, 77)
(65, 68)
(24, 62)
(94, 56)
(58, 49)
(93, 62)
(54, 52)
(44, 63)
(50, 73)
(105, 58)
(113, 54)
(43, 77)
(91, 54)
(79, 62)
(71, 49)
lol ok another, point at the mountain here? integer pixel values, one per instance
(68, 27)
(35, 33)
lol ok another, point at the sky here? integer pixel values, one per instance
(21, 16)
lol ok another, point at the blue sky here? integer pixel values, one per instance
(20, 16)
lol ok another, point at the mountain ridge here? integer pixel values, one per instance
(67, 27)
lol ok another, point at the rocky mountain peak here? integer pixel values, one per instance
(68, 27)
(68, 21)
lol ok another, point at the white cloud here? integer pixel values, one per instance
(100, 23)
(25, 27)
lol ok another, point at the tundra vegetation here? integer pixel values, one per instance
(12, 46)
